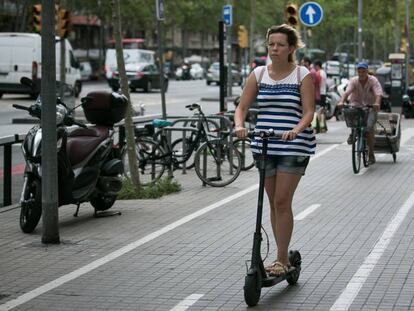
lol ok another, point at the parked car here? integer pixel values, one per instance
(140, 76)
(332, 67)
(213, 74)
(131, 56)
(85, 71)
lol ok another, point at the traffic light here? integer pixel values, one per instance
(63, 23)
(292, 16)
(37, 17)
(243, 37)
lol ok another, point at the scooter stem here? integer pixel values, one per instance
(262, 167)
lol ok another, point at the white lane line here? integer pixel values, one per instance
(127, 248)
(187, 302)
(307, 211)
(319, 154)
(355, 284)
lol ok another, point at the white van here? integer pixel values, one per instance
(131, 57)
(21, 56)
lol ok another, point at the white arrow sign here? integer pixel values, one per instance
(310, 12)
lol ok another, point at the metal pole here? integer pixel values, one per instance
(221, 62)
(62, 62)
(407, 37)
(229, 56)
(50, 216)
(359, 30)
(252, 30)
(160, 16)
(162, 80)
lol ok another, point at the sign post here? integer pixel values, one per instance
(159, 4)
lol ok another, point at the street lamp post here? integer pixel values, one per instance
(407, 38)
(359, 30)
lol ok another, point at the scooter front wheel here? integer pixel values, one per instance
(252, 287)
(31, 207)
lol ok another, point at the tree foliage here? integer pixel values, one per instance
(382, 24)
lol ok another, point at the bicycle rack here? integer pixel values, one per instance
(169, 130)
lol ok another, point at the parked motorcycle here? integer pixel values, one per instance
(333, 96)
(186, 72)
(408, 103)
(89, 166)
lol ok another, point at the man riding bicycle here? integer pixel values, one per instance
(365, 90)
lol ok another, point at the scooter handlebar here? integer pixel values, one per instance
(264, 133)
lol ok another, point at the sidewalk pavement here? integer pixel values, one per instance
(188, 250)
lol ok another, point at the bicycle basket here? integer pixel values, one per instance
(355, 117)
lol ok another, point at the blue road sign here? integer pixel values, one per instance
(310, 14)
(227, 15)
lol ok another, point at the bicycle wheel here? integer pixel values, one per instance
(217, 163)
(356, 153)
(151, 161)
(243, 147)
(181, 156)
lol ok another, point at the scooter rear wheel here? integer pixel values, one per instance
(295, 260)
(103, 202)
(252, 287)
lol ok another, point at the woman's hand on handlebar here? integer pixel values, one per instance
(240, 131)
(290, 135)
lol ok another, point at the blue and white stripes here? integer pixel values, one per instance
(280, 108)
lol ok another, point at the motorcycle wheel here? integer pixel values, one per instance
(103, 202)
(31, 209)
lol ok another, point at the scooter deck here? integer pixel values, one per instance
(273, 280)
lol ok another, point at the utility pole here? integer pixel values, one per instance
(62, 58)
(407, 38)
(359, 30)
(50, 218)
(229, 55)
(161, 17)
(252, 29)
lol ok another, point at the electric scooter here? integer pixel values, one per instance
(256, 276)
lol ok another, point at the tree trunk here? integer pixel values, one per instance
(129, 126)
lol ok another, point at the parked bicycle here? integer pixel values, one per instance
(356, 118)
(217, 163)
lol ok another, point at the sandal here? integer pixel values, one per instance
(271, 266)
(278, 269)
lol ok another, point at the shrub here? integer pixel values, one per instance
(156, 190)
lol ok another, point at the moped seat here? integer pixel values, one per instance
(82, 141)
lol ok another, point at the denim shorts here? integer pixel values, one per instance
(283, 163)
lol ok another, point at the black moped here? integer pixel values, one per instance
(256, 276)
(89, 165)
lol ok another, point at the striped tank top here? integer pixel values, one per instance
(280, 109)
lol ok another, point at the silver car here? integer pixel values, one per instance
(213, 74)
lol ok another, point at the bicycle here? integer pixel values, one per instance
(356, 118)
(155, 156)
(149, 154)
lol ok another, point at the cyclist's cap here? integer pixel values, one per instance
(362, 65)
